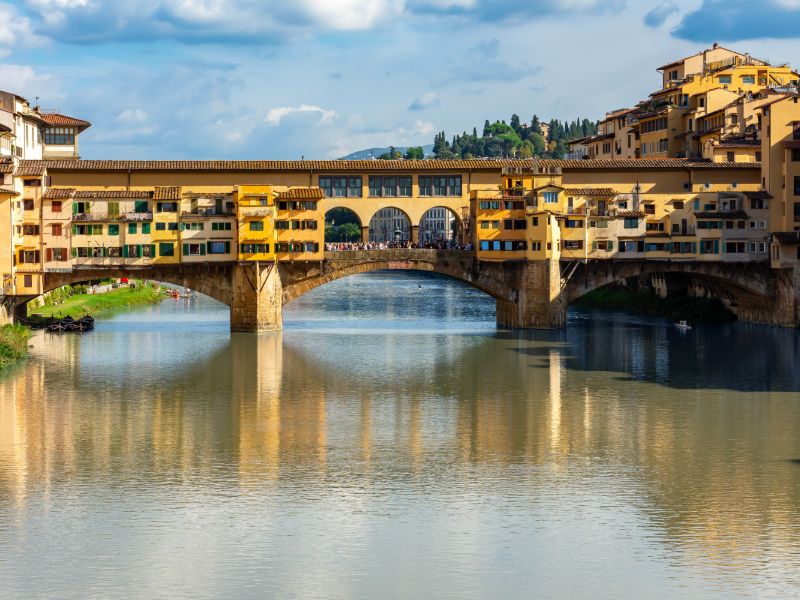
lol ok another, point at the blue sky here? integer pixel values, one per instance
(246, 79)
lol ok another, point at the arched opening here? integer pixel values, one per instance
(390, 225)
(342, 225)
(440, 225)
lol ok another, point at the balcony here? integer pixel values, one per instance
(207, 212)
(258, 211)
(105, 217)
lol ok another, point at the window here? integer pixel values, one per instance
(256, 226)
(677, 204)
(56, 206)
(113, 229)
(757, 247)
(145, 228)
(489, 205)
(797, 211)
(253, 248)
(748, 79)
(797, 186)
(550, 197)
(649, 209)
(440, 185)
(573, 244)
(758, 155)
(701, 102)
(172, 227)
(536, 246)
(27, 281)
(709, 246)
(167, 207)
(59, 136)
(140, 206)
(148, 251)
(222, 247)
(725, 79)
(58, 254)
(631, 223)
(194, 249)
(734, 247)
(654, 125)
(341, 187)
(575, 223)
(56, 230)
(281, 225)
(795, 154)
(730, 157)
(131, 227)
(166, 249)
(161, 226)
(535, 221)
(221, 226)
(513, 205)
(390, 186)
(27, 205)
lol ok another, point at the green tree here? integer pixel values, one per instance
(415, 153)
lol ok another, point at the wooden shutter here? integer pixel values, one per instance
(186, 249)
(227, 247)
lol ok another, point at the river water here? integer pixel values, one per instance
(391, 443)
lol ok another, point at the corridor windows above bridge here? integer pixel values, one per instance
(440, 185)
(341, 187)
(503, 246)
(394, 187)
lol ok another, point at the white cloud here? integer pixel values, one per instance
(23, 80)
(15, 30)
(352, 14)
(135, 115)
(276, 115)
(427, 100)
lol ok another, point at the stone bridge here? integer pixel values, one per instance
(528, 294)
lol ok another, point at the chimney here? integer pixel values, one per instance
(715, 46)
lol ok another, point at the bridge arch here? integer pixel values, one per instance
(337, 219)
(390, 224)
(440, 223)
(457, 265)
(749, 289)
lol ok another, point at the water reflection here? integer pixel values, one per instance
(164, 457)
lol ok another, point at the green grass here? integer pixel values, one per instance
(675, 308)
(13, 344)
(96, 304)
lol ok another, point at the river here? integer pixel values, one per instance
(392, 443)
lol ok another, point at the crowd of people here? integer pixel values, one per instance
(353, 246)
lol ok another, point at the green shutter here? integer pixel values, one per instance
(186, 249)
(610, 246)
(227, 247)
(152, 250)
(74, 208)
(716, 246)
(125, 252)
(202, 249)
(74, 253)
(594, 246)
(694, 247)
(74, 230)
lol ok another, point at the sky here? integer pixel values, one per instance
(285, 79)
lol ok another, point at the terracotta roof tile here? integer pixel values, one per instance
(593, 192)
(734, 214)
(761, 195)
(167, 193)
(313, 193)
(630, 213)
(58, 193)
(113, 194)
(30, 168)
(59, 120)
(739, 143)
(6, 167)
(4, 189)
(351, 166)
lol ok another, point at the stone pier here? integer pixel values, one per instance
(257, 297)
(537, 301)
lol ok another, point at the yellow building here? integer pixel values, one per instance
(299, 224)
(255, 219)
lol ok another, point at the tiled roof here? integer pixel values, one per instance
(787, 237)
(58, 193)
(313, 193)
(59, 120)
(630, 213)
(6, 167)
(113, 194)
(733, 214)
(594, 192)
(350, 166)
(739, 143)
(167, 193)
(5, 128)
(4, 189)
(30, 168)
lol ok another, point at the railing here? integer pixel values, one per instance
(260, 211)
(100, 217)
(208, 212)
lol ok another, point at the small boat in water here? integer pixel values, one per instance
(683, 325)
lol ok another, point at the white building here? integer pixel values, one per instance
(389, 225)
(437, 224)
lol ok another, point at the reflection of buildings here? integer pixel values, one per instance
(389, 225)
(698, 465)
(436, 225)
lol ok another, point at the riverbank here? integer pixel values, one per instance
(116, 300)
(676, 308)
(13, 344)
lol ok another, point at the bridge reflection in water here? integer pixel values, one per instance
(575, 441)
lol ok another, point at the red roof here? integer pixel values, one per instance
(59, 120)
